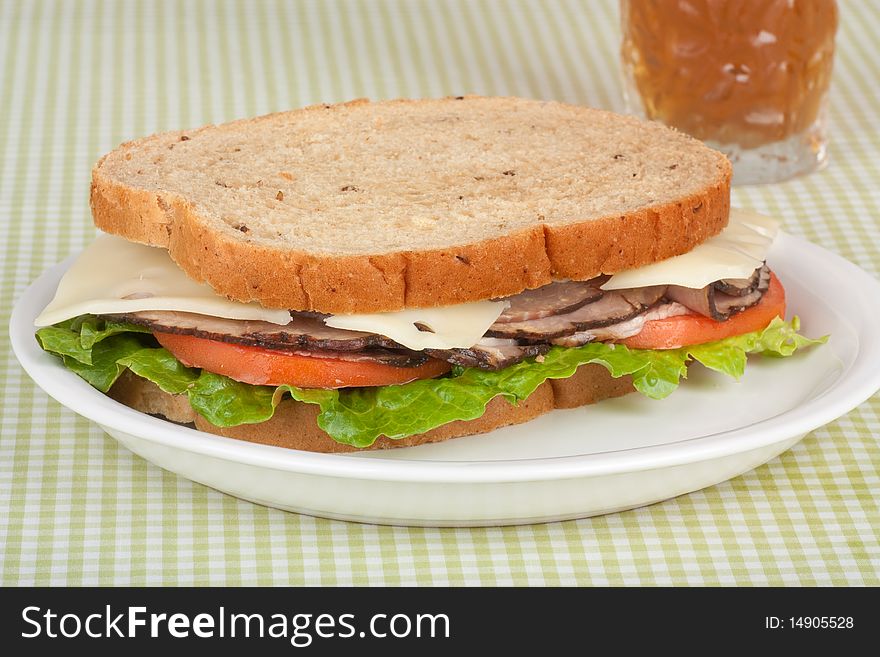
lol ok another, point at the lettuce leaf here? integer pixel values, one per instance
(93, 330)
(225, 402)
(100, 350)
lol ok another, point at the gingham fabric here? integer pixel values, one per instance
(77, 78)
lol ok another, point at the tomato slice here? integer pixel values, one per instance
(270, 367)
(684, 330)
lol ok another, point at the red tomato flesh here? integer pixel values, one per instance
(271, 367)
(685, 330)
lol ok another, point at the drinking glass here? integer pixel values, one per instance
(748, 77)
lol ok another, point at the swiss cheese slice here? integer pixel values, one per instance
(734, 253)
(446, 327)
(114, 275)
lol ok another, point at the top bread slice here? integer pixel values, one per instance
(373, 207)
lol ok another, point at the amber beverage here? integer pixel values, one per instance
(749, 77)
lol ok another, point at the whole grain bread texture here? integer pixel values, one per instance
(294, 424)
(377, 206)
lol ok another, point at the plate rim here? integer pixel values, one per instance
(855, 384)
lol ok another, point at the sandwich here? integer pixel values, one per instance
(385, 274)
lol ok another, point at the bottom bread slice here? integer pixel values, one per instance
(294, 424)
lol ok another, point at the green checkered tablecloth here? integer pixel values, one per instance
(77, 78)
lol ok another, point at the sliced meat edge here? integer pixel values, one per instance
(556, 298)
(712, 302)
(614, 307)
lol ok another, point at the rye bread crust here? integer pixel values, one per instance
(245, 268)
(294, 424)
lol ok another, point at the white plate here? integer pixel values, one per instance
(612, 456)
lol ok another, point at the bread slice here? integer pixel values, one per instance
(371, 207)
(295, 426)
